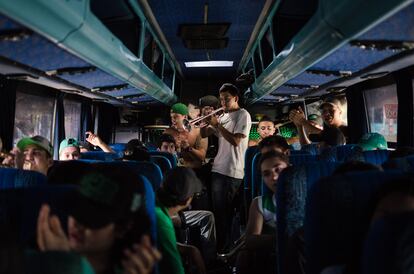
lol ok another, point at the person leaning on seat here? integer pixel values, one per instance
(175, 194)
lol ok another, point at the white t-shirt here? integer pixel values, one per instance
(230, 159)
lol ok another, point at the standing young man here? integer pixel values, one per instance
(232, 129)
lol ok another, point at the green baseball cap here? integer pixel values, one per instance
(69, 142)
(179, 108)
(372, 141)
(37, 140)
(313, 117)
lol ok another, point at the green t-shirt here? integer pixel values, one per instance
(167, 242)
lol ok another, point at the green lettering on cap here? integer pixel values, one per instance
(99, 188)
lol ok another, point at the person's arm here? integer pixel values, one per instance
(303, 137)
(197, 153)
(141, 258)
(194, 255)
(255, 220)
(95, 140)
(297, 116)
(233, 139)
(241, 129)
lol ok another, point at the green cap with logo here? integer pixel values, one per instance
(179, 108)
(373, 141)
(69, 142)
(37, 140)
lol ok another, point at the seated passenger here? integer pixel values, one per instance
(135, 150)
(176, 193)
(107, 223)
(372, 141)
(34, 153)
(274, 143)
(329, 137)
(265, 128)
(69, 150)
(331, 111)
(167, 144)
(262, 215)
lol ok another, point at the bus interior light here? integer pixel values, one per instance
(206, 64)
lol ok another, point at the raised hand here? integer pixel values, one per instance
(95, 140)
(297, 116)
(141, 258)
(50, 235)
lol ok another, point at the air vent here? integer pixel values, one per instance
(206, 43)
(204, 36)
(200, 31)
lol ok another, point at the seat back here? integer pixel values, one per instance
(99, 155)
(291, 195)
(171, 157)
(376, 157)
(298, 152)
(162, 162)
(249, 173)
(338, 211)
(343, 152)
(403, 164)
(19, 208)
(18, 178)
(389, 245)
(150, 206)
(118, 147)
(150, 170)
(299, 159)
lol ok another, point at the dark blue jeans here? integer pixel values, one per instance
(223, 191)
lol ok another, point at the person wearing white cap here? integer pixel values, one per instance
(331, 111)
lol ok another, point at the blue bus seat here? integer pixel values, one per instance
(389, 245)
(404, 164)
(171, 157)
(376, 157)
(99, 155)
(343, 152)
(248, 173)
(17, 178)
(298, 159)
(338, 209)
(118, 147)
(162, 162)
(19, 208)
(150, 206)
(293, 186)
(151, 147)
(311, 148)
(150, 170)
(298, 152)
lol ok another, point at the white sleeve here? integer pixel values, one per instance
(243, 123)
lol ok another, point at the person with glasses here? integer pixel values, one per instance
(331, 113)
(265, 128)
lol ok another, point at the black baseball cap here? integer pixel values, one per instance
(105, 196)
(181, 183)
(208, 101)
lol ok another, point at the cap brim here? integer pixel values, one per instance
(23, 143)
(87, 212)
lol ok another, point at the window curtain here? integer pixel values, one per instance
(85, 120)
(59, 130)
(357, 116)
(7, 111)
(405, 125)
(107, 121)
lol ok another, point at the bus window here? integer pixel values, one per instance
(382, 109)
(34, 116)
(72, 118)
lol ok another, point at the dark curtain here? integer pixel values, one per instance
(7, 111)
(59, 133)
(86, 120)
(405, 109)
(357, 116)
(107, 121)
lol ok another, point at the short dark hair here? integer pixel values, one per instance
(168, 138)
(273, 154)
(332, 136)
(230, 88)
(266, 119)
(274, 140)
